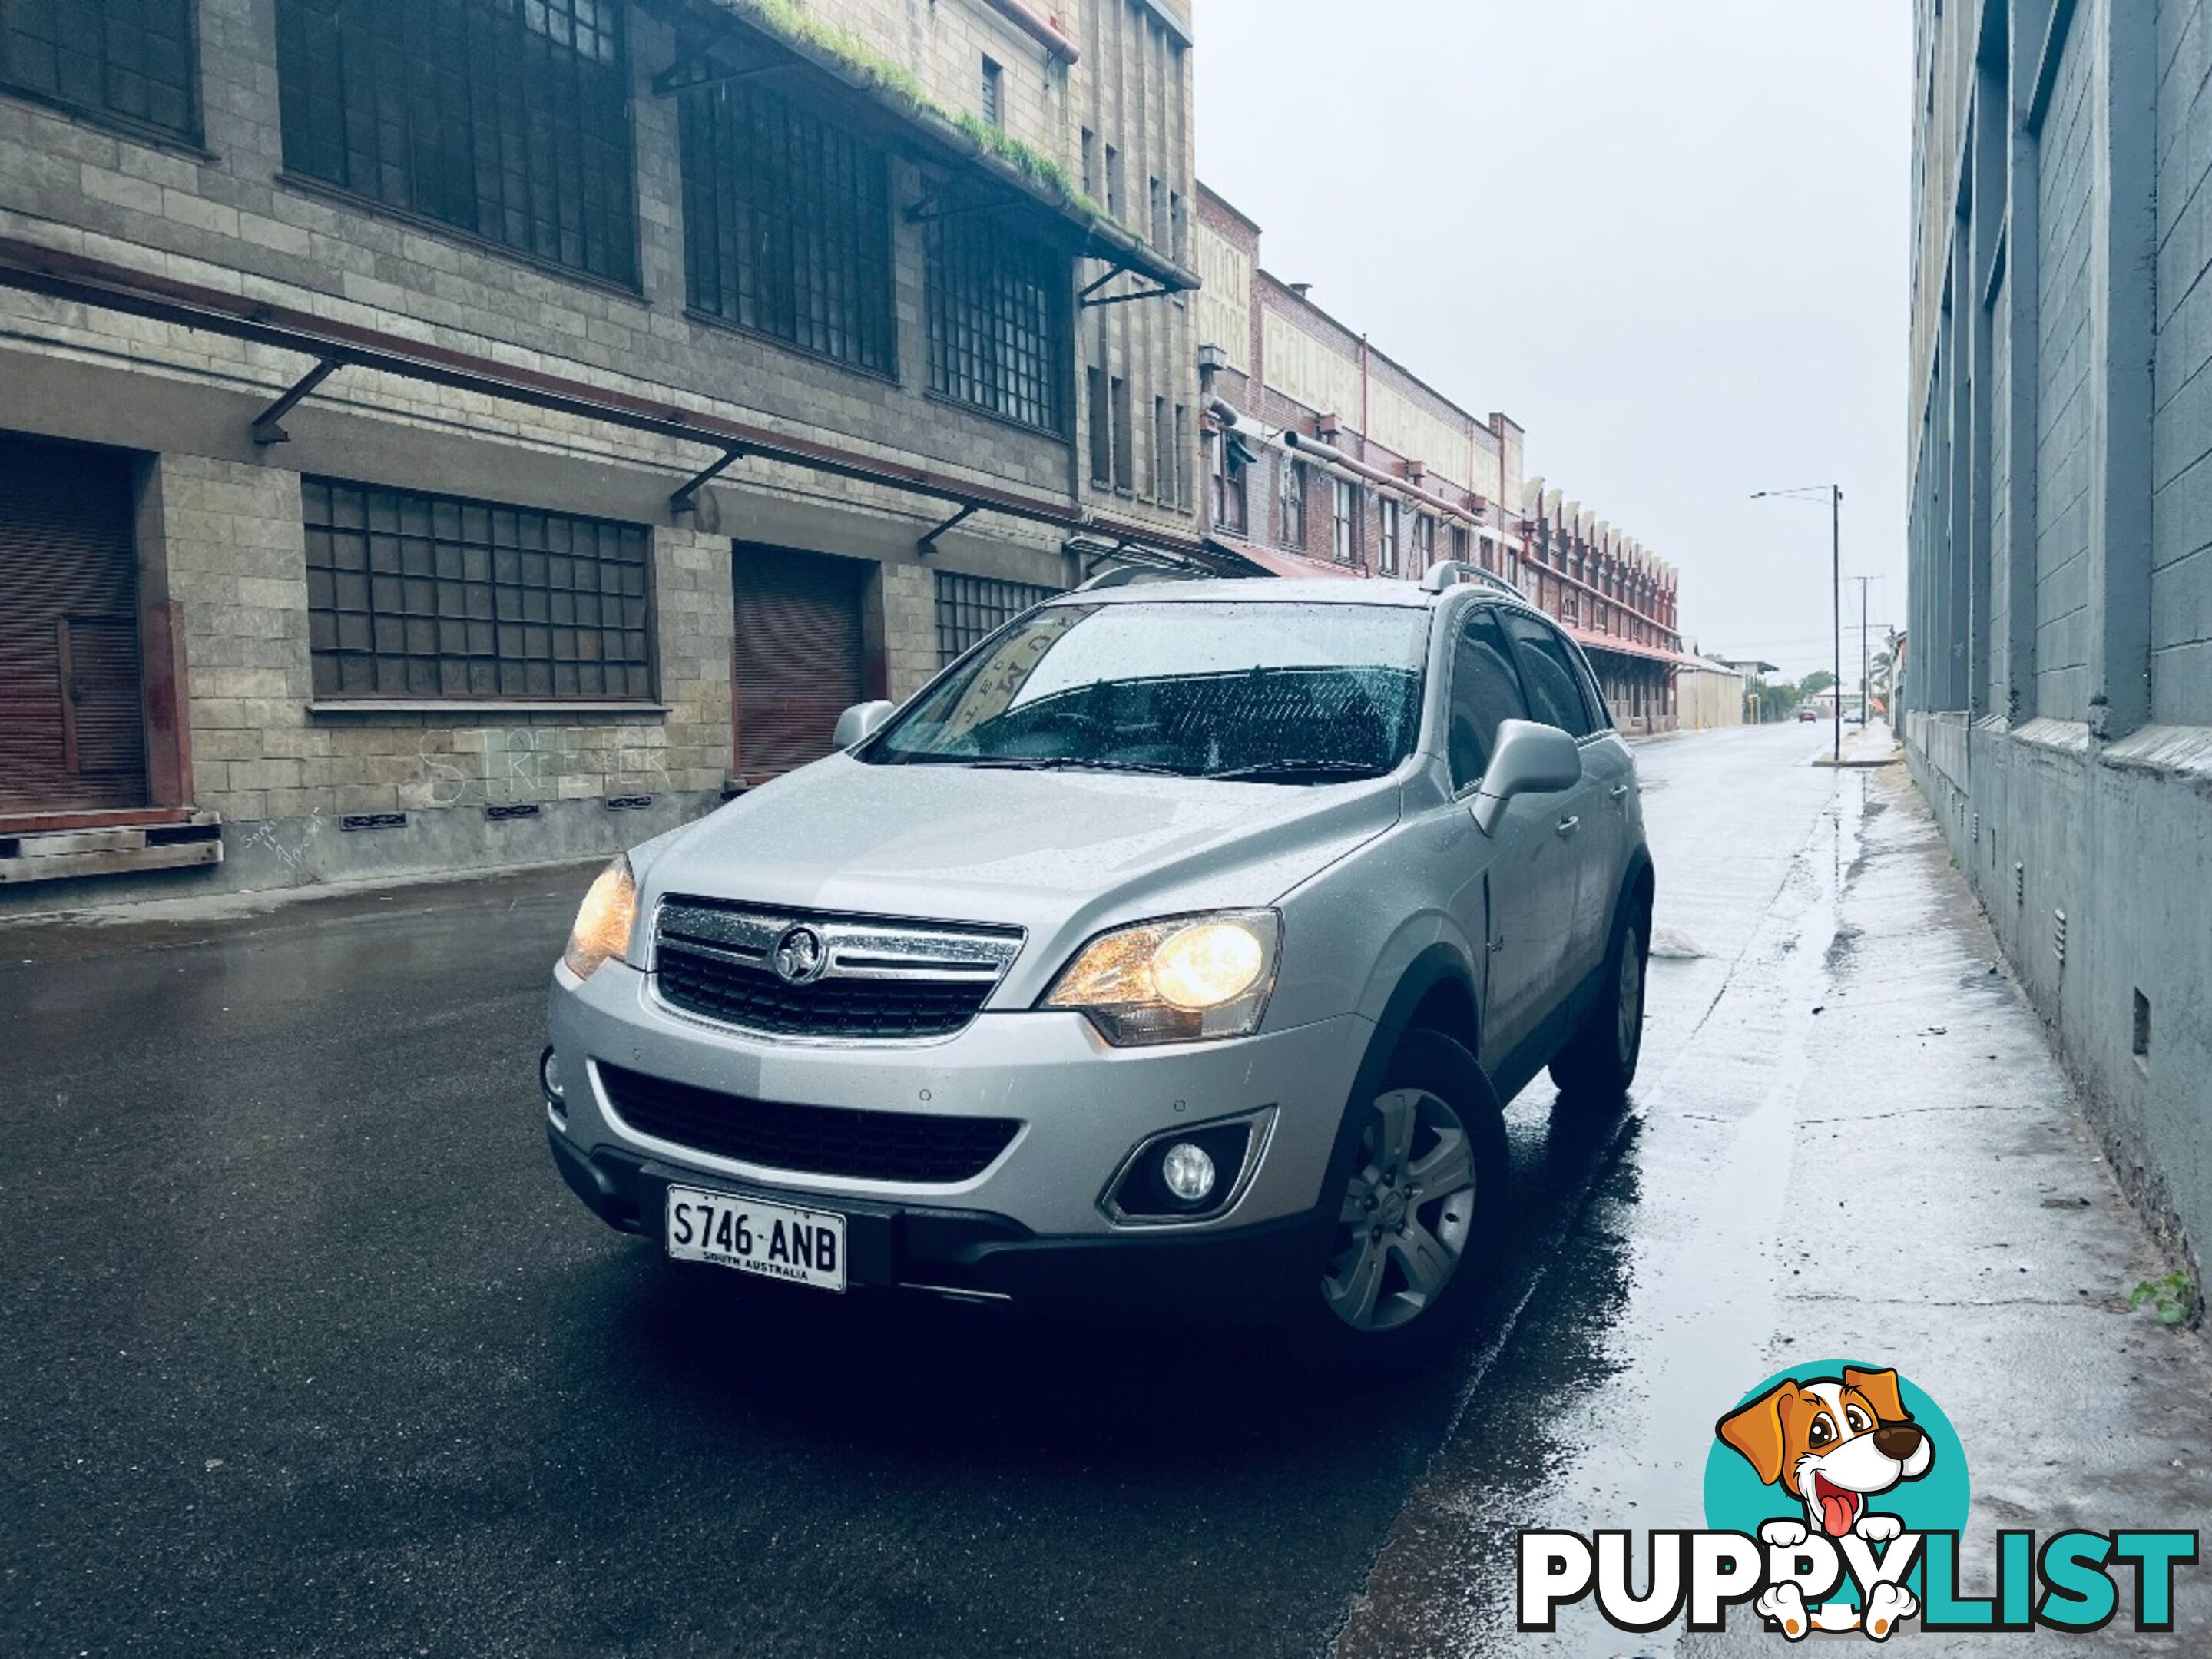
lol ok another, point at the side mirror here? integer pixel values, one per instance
(1531, 760)
(861, 722)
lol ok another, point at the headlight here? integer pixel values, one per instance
(1178, 980)
(602, 931)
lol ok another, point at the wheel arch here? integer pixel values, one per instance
(1435, 988)
(1640, 884)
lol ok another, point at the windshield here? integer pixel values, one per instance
(1275, 692)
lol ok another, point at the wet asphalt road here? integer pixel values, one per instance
(308, 1351)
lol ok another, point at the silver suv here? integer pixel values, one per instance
(1171, 952)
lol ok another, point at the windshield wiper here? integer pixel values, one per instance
(1064, 764)
(1289, 771)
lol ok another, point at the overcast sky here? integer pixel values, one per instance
(1670, 237)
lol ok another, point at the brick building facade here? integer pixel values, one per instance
(1324, 457)
(670, 372)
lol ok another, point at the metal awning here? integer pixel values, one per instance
(332, 345)
(1591, 641)
(1275, 562)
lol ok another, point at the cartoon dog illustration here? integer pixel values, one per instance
(1832, 1443)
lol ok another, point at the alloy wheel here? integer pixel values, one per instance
(1406, 1213)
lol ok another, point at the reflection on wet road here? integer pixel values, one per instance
(310, 1352)
(1654, 1299)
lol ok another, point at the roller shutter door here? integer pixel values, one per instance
(798, 659)
(72, 731)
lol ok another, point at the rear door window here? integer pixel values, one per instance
(1555, 691)
(1485, 693)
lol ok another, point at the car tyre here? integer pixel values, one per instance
(1599, 1061)
(1422, 1171)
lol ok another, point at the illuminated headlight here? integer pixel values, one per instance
(601, 935)
(1179, 981)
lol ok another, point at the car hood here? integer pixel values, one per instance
(1061, 855)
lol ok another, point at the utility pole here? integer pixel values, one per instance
(1836, 572)
(1835, 497)
(1866, 707)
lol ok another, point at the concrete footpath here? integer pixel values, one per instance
(1862, 1147)
(1948, 1210)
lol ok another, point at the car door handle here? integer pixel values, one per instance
(1617, 791)
(1566, 827)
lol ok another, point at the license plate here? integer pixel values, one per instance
(801, 1247)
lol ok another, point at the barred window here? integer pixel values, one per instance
(411, 595)
(1183, 452)
(1000, 336)
(1345, 529)
(994, 93)
(970, 608)
(1291, 478)
(506, 119)
(1102, 428)
(1225, 484)
(1163, 457)
(1125, 437)
(787, 224)
(129, 57)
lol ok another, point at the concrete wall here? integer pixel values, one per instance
(2059, 692)
(1707, 699)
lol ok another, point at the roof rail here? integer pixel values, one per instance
(1127, 576)
(1449, 572)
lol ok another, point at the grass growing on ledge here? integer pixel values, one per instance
(785, 19)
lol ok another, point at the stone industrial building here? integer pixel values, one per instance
(1324, 457)
(444, 433)
(2057, 692)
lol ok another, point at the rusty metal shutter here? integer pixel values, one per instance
(798, 659)
(72, 731)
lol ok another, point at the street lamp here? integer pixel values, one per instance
(1833, 495)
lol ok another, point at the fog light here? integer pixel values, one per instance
(549, 1077)
(1187, 1172)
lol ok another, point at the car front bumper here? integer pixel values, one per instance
(1031, 1226)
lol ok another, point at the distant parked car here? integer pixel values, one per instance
(1177, 946)
(1809, 714)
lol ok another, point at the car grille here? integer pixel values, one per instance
(824, 1140)
(878, 980)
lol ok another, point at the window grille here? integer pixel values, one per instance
(787, 224)
(970, 608)
(1227, 484)
(1292, 476)
(999, 333)
(994, 93)
(1183, 450)
(508, 119)
(1163, 453)
(1102, 428)
(129, 57)
(411, 595)
(1346, 526)
(1125, 437)
(1387, 550)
